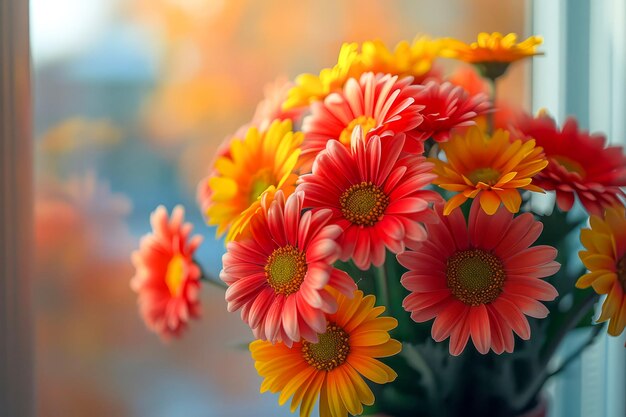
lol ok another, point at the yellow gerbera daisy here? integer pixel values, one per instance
(333, 368)
(605, 258)
(492, 168)
(414, 59)
(492, 47)
(261, 162)
(311, 87)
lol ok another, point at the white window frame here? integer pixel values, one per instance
(583, 74)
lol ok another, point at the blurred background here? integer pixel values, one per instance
(132, 98)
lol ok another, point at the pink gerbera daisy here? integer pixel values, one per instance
(166, 278)
(446, 107)
(375, 195)
(580, 164)
(271, 107)
(279, 277)
(480, 279)
(376, 103)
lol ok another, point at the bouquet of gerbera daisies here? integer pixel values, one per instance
(381, 214)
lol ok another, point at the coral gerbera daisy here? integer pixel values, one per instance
(580, 164)
(480, 279)
(447, 107)
(333, 368)
(311, 87)
(375, 103)
(166, 276)
(375, 195)
(260, 161)
(280, 275)
(605, 258)
(490, 168)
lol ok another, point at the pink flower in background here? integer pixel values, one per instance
(279, 276)
(167, 279)
(468, 78)
(271, 107)
(375, 195)
(378, 104)
(95, 215)
(480, 279)
(446, 107)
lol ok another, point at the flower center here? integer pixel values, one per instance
(260, 182)
(621, 271)
(570, 165)
(363, 204)
(330, 351)
(367, 123)
(285, 270)
(175, 275)
(487, 175)
(475, 276)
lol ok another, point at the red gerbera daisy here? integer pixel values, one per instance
(279, 277)
(447, 106)
(376, 103)
(479, 280)
(375, 196)
(580, 164)
(166, 278)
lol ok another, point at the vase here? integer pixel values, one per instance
(539, 410)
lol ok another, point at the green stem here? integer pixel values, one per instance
(416, 360)
(491, 115)
(382, 287)
(209, 279)
(572, 320)
(214, 281)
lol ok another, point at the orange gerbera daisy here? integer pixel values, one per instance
(490, 168)
(493, 52)
(605, 258)
(479, 279)
(262, 161)
(166, 278)
(333, 368)
(204, 190)
(492, 47)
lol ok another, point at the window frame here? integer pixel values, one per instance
(16, 208)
